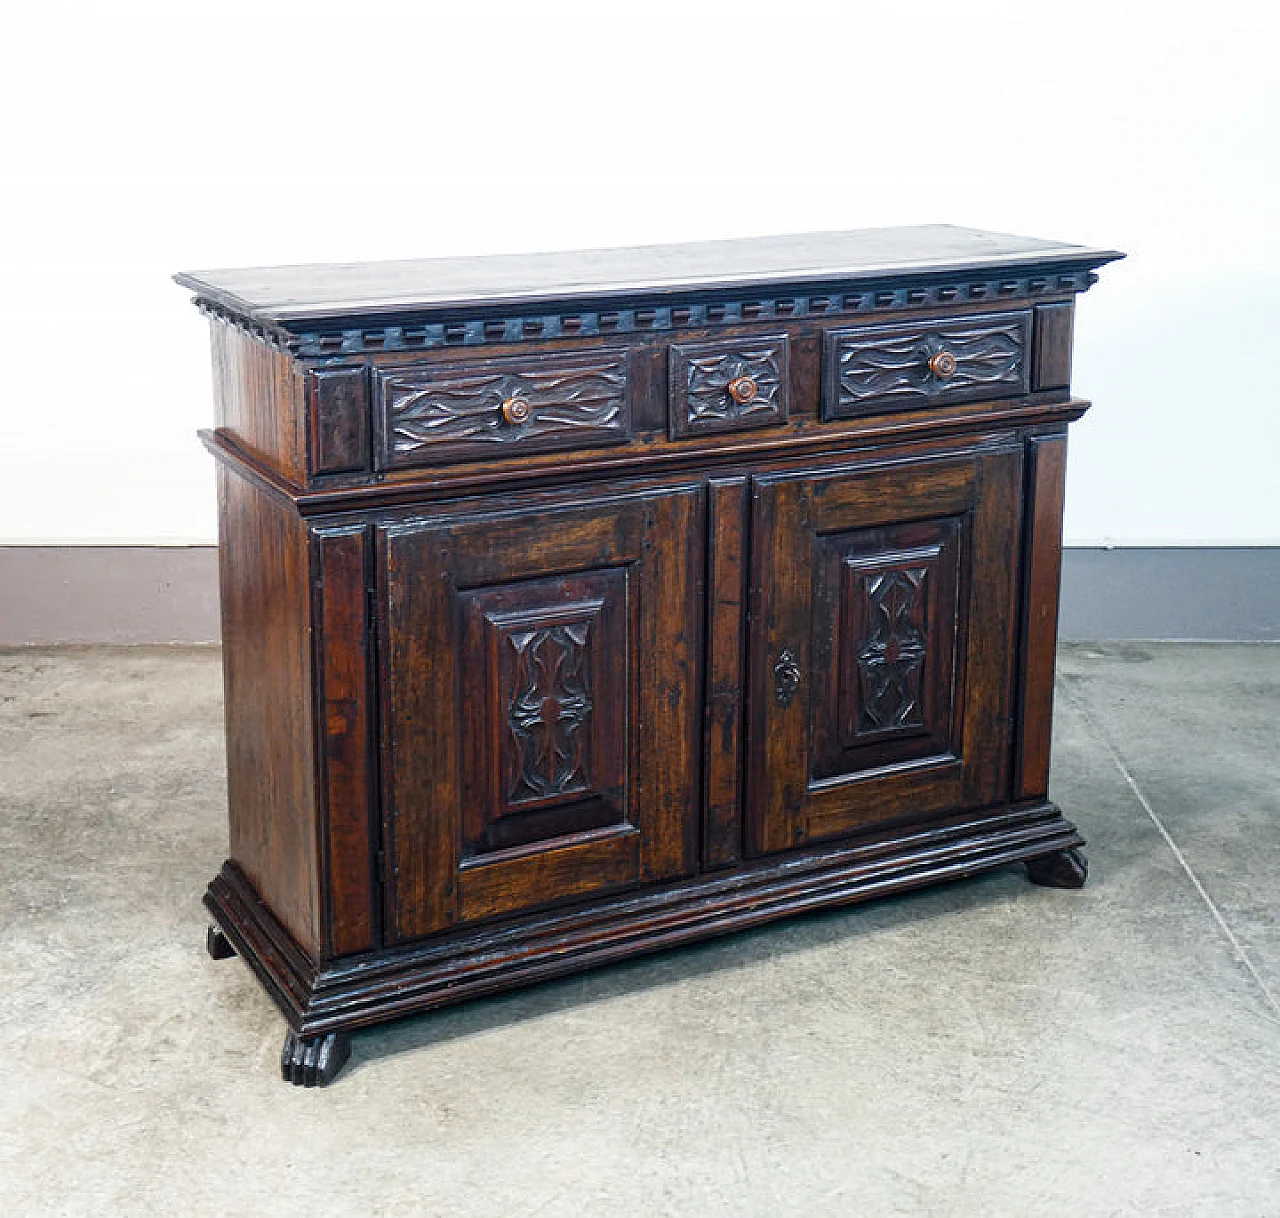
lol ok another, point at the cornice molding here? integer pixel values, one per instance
(476, 328)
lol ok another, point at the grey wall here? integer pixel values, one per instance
(160, 594)
(108, 594)
(1171, 592)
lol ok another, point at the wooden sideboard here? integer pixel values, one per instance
(578, 605)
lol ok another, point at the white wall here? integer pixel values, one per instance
(140, 139)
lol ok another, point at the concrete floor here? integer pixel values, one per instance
(990, 1048)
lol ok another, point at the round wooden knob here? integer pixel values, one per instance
(942, 365)
(516, 411)
(743, 389)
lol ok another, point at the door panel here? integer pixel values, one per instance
(883, 676)
(550, 710)
(541, 732)
(881, 645)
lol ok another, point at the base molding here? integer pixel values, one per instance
(371, 987)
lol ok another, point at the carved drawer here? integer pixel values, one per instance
(870, 369)
(428, 413)
(727, 385)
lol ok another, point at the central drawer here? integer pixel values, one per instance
(474, 409)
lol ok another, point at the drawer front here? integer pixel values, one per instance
(870, 369)
(429, 413)
(728, 385)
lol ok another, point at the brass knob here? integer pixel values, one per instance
(516, 411)
(942, 365)
(743, 389)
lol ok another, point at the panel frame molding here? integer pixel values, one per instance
(765, 358)
(786, 805)
(425, 568)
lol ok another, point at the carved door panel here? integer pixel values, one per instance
(540, 705)
(881, 647)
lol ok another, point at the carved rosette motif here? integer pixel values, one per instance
(891, 658)
(443, 408)
(551, 706)
(710, 377)
(729, 385)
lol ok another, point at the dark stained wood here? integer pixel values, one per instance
(217, 944)
(532, 403)
(571, 763)
(566, 618)
(545, 729)
(726, 602)
(260, 399)
(421, 705)
(267, 679)
(1046, 481)
(671, 647)
(587, 863)
(729, 385)
(338, 423)
(347, 747)
(728, 455)
(1061, 869)
(1051, 367)
(776, 779)
(993, 612)
(469, 962)
(647, 376)
(870, 369)
(956, 523)
(313, 1061)
(883, 675)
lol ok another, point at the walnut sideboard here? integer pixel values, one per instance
(578, 605)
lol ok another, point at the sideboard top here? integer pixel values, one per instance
(280, 294)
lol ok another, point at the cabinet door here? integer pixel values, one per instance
(881, 646)
(540, 705)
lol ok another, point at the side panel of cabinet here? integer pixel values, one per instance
(1046, 482)
(267, 679)
(541, 701)
(340, 559)
(882, 641)
(260, 397)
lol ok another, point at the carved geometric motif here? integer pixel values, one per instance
(728, 385)
(891, 693)
(552, 703)
(891, 658)
(545, 742)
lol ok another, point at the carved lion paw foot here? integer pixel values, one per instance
(313, 1061)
